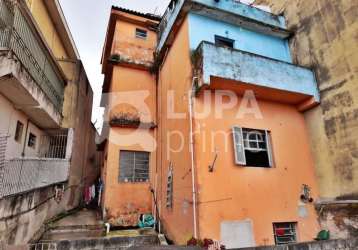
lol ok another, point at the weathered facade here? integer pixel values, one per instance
(214, 62)
(45, 109)
(127, 58)
(325, 39)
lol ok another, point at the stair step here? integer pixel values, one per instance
(66, 233)
(109, 243)
(74, 227)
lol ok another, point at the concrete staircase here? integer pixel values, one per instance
(73, 232)
(84, 230)
(79, 225)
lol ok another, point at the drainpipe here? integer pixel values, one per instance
(191, 111)
(23, 151)
(24, 146)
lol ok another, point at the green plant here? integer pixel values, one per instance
(115, 57)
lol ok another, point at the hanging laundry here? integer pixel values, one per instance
(93, 192)
(100, 188)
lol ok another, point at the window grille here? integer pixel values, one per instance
(133, 166)
(285, 233)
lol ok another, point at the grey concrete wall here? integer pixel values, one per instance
(349, 244)
(340, 219)
(77, 112)
(114, 243)
(22, 216)
(18, 226)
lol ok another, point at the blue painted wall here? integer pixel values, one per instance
(204, 29)
(242, 9)
(260, 71)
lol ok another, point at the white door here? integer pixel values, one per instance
(237, 234)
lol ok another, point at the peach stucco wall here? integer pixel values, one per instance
(124, 202)
(132, 95)
(175, 77)
(140, 89)
(129, 47)
(230, 193)
(262, 195)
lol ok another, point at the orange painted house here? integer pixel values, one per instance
(221, 139)
(129, 95)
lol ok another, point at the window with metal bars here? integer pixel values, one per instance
(169, 200)
(133, 166)
(252, 147)
(285, 233)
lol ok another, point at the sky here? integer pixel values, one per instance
(88, 20)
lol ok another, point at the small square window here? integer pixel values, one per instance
(139, 33)
(18, 131)
(285, 233)
(32, 141)
(223, 41)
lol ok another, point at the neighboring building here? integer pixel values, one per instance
(244, 179)
(45, 110)
(127, 59)
(326, 40)
(253, 194)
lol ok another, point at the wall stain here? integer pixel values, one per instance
(344, 167)
(340, 100)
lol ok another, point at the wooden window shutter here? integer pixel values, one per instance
(240, 158)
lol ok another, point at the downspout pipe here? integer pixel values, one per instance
(24, 145)
(191, 111)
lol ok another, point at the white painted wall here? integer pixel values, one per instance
(8, 120)
(237, 234)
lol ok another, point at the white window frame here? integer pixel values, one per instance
(134, 178)
(240, 141)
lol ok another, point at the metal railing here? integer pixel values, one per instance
(3, 141)
(53, 146)
(19, 35)
(26, 174)
(43, 246)
(50, 167)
